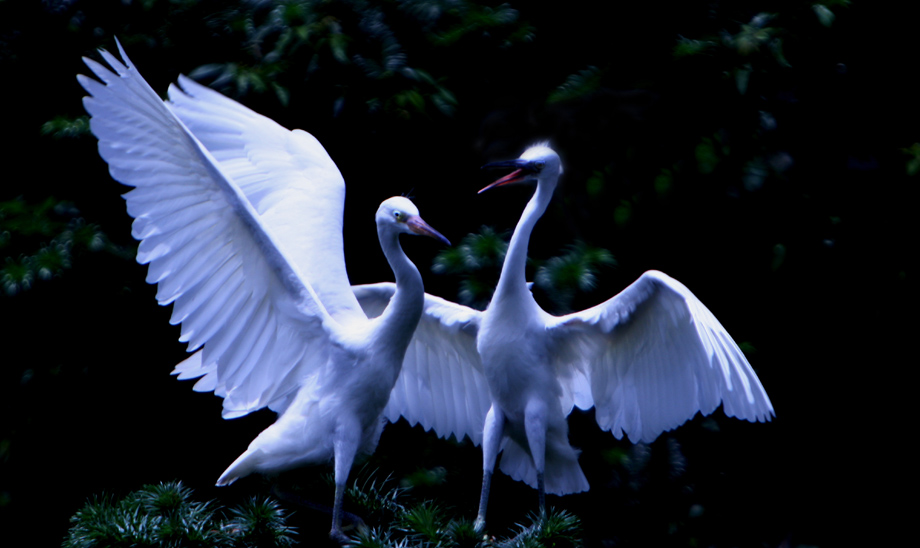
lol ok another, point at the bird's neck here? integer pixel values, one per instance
(405, 308)
(513, 282)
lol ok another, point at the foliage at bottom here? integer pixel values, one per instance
(165, 515)
(427, 524)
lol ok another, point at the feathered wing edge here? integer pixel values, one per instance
(289, 179)
(441, 385)
(232, 288)
(655, 356)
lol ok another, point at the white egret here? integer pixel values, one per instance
(240, 221)
(648, 360)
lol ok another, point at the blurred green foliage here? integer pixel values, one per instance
(578, 86)
(477, 261)
(913, 163)
(427, 524)
(362, 50)
(352, 54)
(166, 515)
(763, 153)
(575, 271)
(62, 127)
(39, 242)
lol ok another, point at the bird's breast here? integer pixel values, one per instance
(517, 365)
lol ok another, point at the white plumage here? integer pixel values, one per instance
(240, 222)
(648, 360)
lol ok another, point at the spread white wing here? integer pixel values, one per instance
(655, 356)
(288, 177)
(229, 274)
(441, 385)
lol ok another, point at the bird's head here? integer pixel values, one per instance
(538, 163)
(401, 215)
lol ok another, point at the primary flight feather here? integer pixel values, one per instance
(240, 222)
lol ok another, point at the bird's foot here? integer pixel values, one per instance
(339, 537)
(480, 524)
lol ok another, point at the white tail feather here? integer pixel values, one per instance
(563, 474)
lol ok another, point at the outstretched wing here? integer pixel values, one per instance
(287, 176)
(655, 356)
(441, 385)
(233, 287)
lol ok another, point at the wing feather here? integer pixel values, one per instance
(210, 312)
(193, 299)
(288, 177)
(234, 287)
(655, 356)
(441, 386)
(243, 312)
(186, 241)
(195, 272)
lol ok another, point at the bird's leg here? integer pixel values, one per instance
(491, 440)
(345, 445)
(483, 499)
(535, 428)
(541, 493)
(336, 533)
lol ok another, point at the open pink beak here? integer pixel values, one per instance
(523, 172)
(516, 176)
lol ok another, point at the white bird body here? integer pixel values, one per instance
(240, 221)
(343, 400)
(527, 419)
(514, 362)
(647, 360)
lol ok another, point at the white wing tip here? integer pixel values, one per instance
(187, 367)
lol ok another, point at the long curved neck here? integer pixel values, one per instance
(512, 281)
(405, 309)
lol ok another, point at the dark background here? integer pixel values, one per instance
(763, 160)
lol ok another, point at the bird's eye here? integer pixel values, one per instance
(397, 214)
(539, 164)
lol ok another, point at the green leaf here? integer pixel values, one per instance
(686, 47)
(663, 182)
(742, 77)
(706, 157)
(44, 239)
(575, 271)
(913, 163)
(62, 127)
(425, 522)
(167, 515)
(596, 183)
(261, 523)
(577, 86)
(557, 529)
(338, 43)
(825, 15)
(16, 276)
(282, 93)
